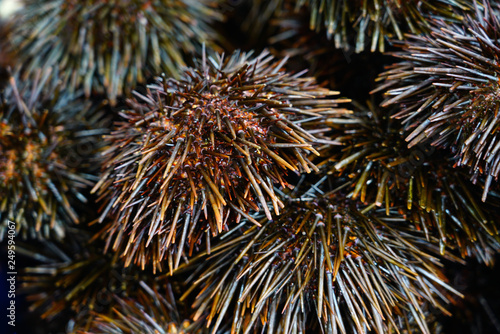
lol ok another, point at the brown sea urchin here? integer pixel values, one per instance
(324, 264)
(196, 150)
(447, 89)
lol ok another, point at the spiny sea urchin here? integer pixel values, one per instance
(196, 154)
(447, 90)
(373, 21)
(110, 45)
(150, 311)
(361, 22)
(323, 263)
(421, 182)
(74, 279)
(47, 147)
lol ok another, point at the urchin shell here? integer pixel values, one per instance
(447, 89)
(420, 182)
(323, 263)
(195, 155)
(110, 46)
(48, 145)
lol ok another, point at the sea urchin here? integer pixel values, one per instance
(47, 147)
(196, 150)
(447, 88)
(322, 263)
(361, 22)
(109, 46)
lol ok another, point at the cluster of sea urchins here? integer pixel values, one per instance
(150, 311)
(195, 155)
(47, 146)
(109, 46)
(447, 89)
(204, 175)
(325, 263)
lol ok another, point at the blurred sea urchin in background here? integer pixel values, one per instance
(109, 46)
(360, 24)
(41, 179)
